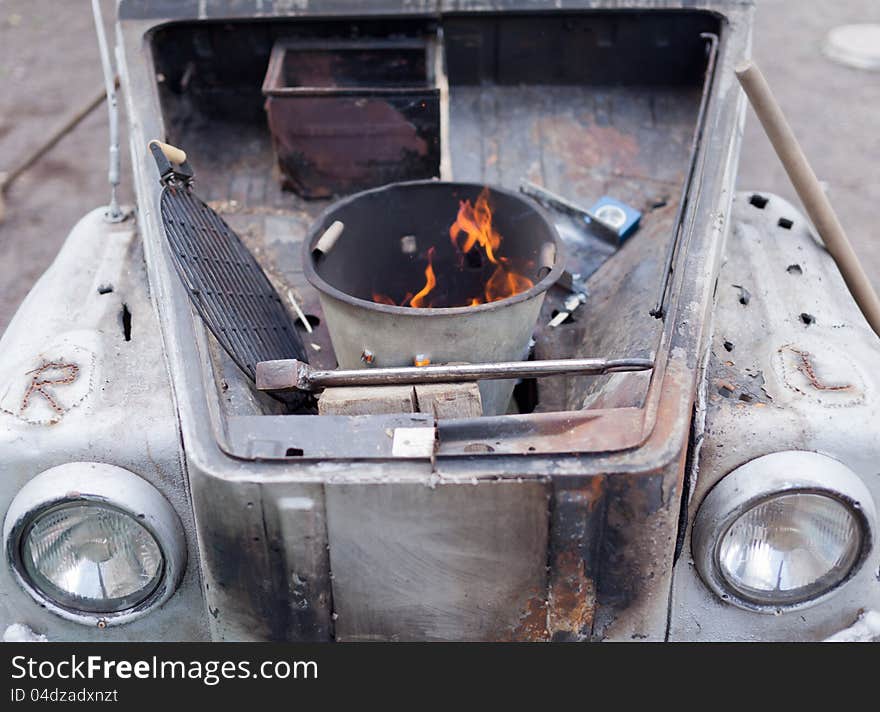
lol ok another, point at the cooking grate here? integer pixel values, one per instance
(226, 285)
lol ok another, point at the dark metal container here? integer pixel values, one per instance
(354, 114)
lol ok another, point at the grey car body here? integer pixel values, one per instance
(576, 534)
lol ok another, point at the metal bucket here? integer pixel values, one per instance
(368, 253)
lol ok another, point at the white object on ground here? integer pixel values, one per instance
(20, 633)
(854, 45)
(864, 630)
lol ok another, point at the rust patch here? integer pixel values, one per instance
(602, 148)
(824, 374)
(574, 536)
(594, 491)
(806, 367)
(325, 145)
(572, 597)
(744, 386)
(532, 625)
(65, 373)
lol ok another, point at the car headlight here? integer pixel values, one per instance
(783, 531)
(92, 557)
(94, 543)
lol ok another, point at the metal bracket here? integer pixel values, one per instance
(169, 173)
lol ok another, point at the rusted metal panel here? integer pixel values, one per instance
(638, 540)
(453, 562)
(573, 557)
(346, 116)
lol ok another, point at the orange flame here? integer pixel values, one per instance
(503, 283)
(476, 223)
(383, 299)
(472, 229)
(418, 301)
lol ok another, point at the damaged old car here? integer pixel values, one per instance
(439, 320)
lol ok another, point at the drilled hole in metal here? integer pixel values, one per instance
(125, 318)
(312, 319)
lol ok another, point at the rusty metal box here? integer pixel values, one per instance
(352, 114)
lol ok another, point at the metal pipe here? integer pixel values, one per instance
(809, 190)
(114, 213)
(299, 312)
(326, 242)
(292, 374)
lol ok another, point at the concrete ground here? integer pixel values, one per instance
(49, 66)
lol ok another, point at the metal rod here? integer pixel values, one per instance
(563, 205)
(659, 309)
(293, 374)
(7, 177)
(809, 190)
(299, 312)
(114, 213)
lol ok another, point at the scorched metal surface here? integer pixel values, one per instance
(562, 524)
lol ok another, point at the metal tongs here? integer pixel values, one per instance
(290, 374)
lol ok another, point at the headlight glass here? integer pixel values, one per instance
(790, 548)
(91, 557)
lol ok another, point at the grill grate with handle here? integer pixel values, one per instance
(226, 285)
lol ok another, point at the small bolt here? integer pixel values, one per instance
(102, 623)
(408, 244)
(367, 356)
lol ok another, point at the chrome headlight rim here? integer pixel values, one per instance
(764, 479)
(113, 488)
